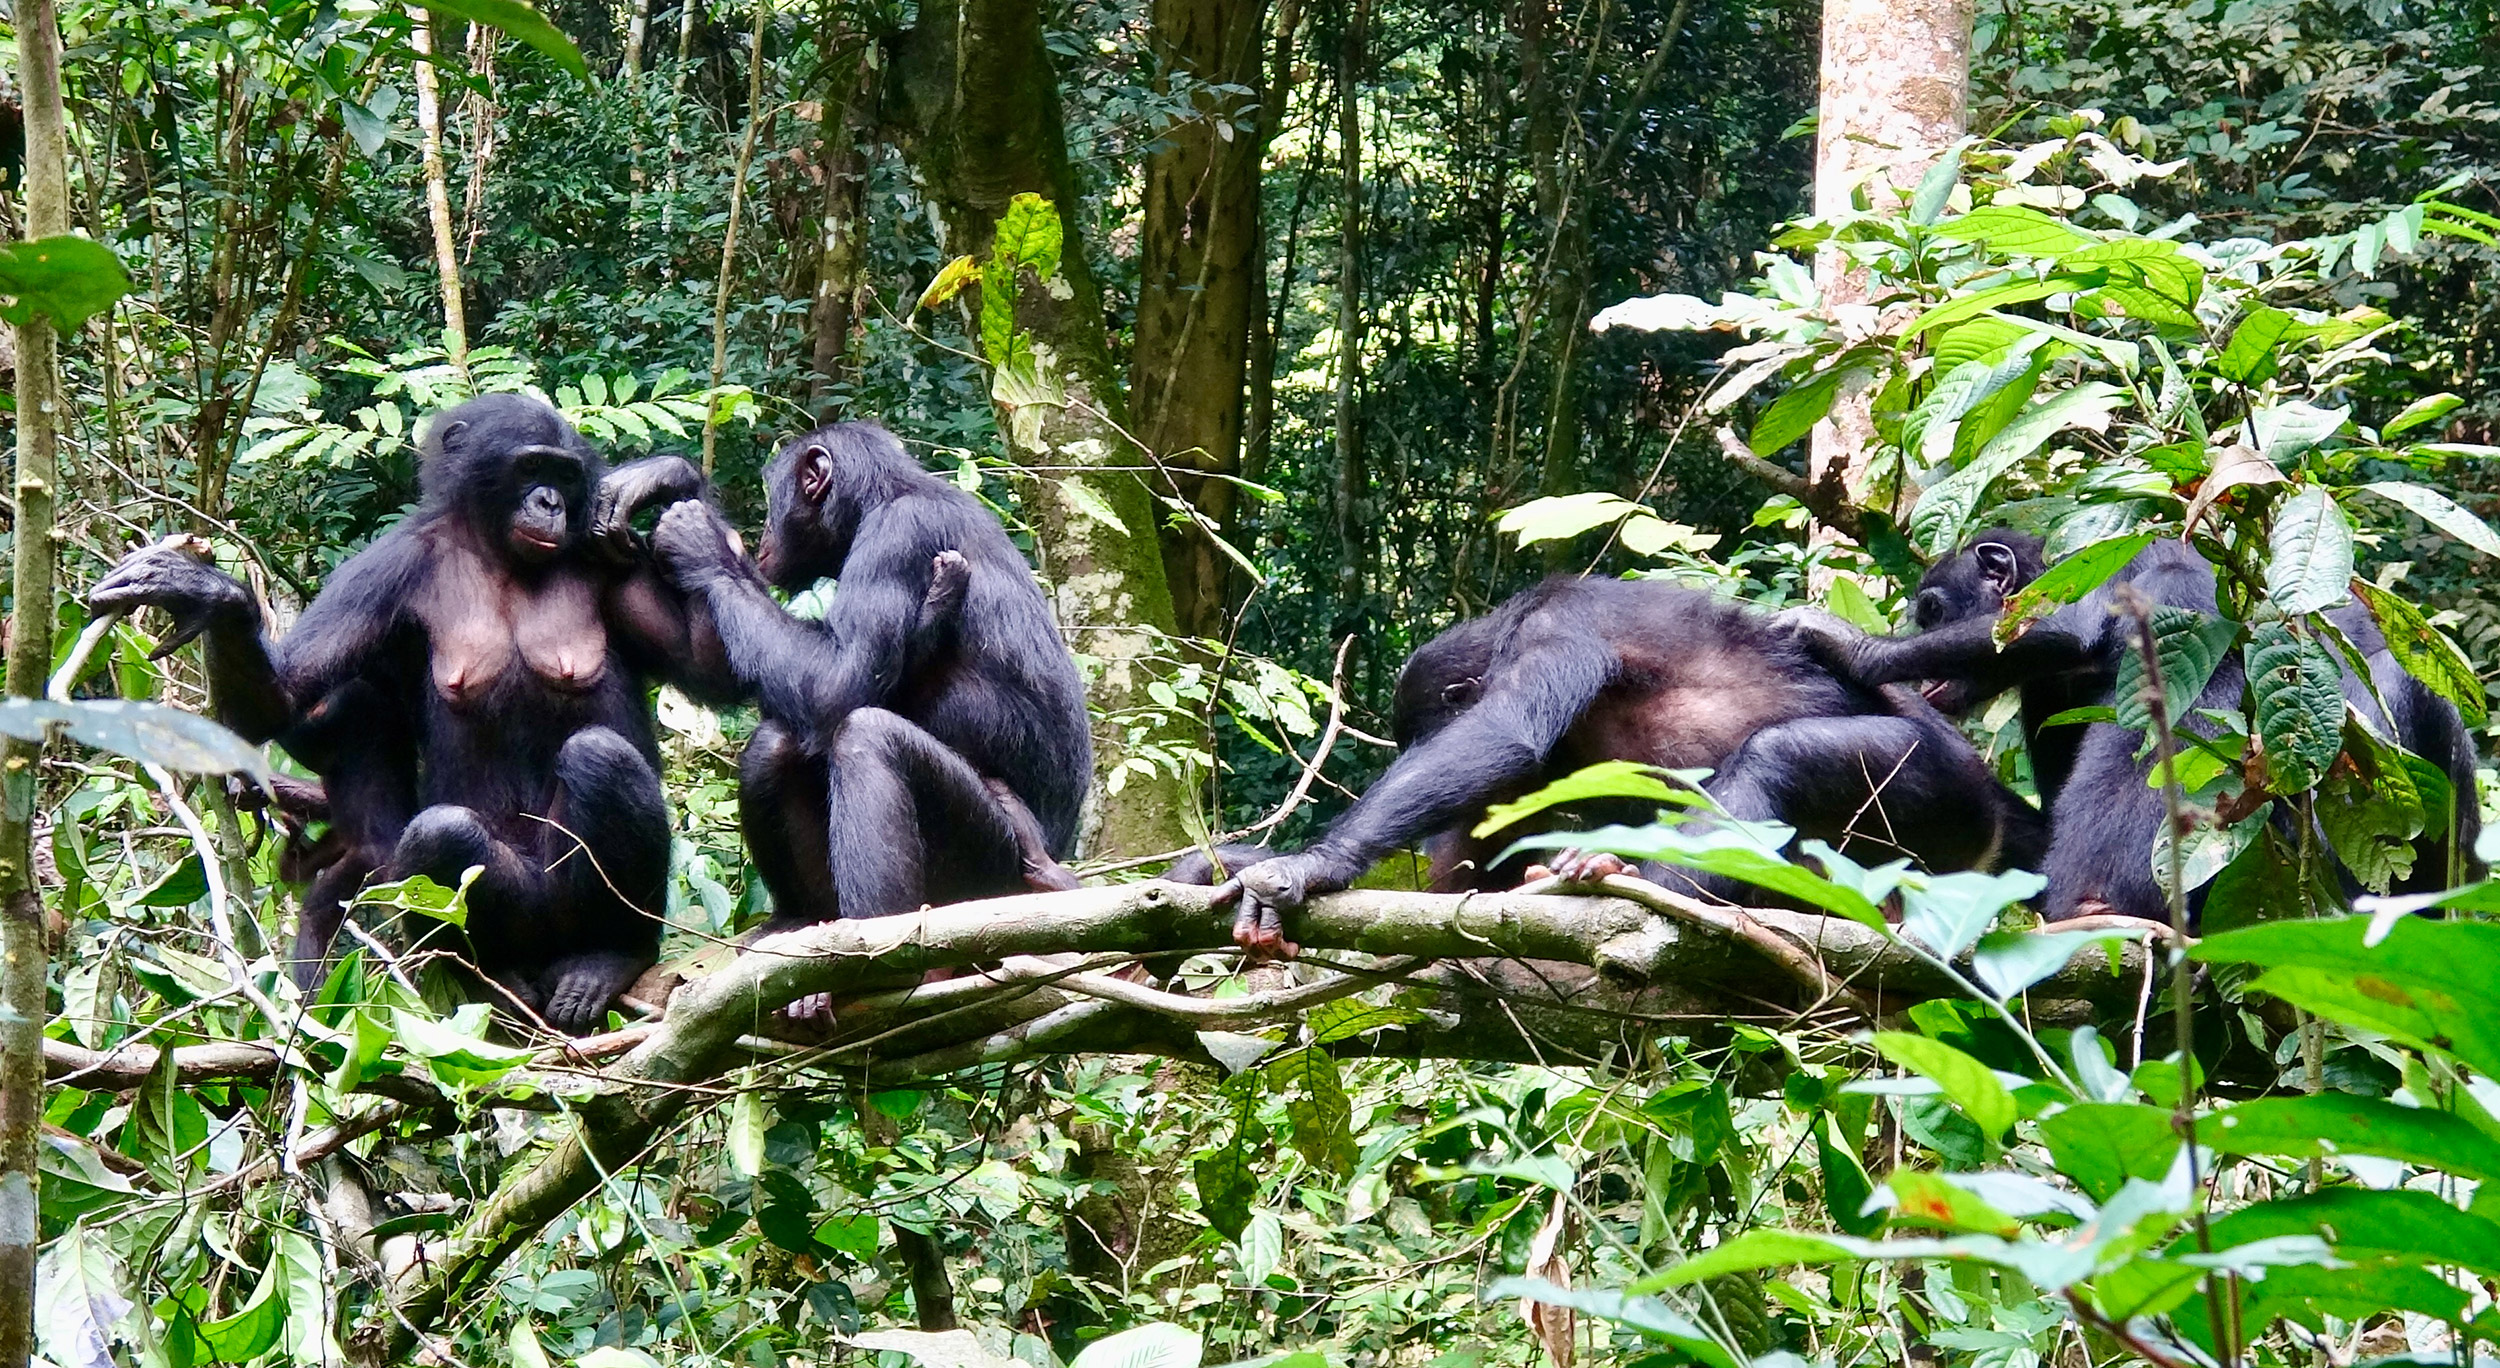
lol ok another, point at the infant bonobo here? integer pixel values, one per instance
(1576, 671)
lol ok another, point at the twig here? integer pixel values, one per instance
(1801, 964)
(66, 677)
(1257, 1009)
(1327, 742)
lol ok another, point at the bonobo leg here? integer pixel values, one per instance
(1042, 871)
(369, 763)
(913, 821)
(606, 855)
(781, 811)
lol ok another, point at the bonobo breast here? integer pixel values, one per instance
(487, 632)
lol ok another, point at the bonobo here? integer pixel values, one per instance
(1574, 672)
(2104, 816)
(884, 778)
(471, 687)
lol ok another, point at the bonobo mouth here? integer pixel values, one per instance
(534, 544)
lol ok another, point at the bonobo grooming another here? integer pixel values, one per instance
(471, 687)
(2103, 814)
(880, 781)
(1573, 672)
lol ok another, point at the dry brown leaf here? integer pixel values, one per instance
(2234, 465)
(1552, 1325)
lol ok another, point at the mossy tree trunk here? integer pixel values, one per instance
(982, 124)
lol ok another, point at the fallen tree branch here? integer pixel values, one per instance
(1632, 972)
(126, 1066)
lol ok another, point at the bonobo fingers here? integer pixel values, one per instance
(170, 576)
(691, 539)
(1268, 890)
(579, 990)
(1581, 866)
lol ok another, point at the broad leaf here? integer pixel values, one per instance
(1922, 1198)
(78, 1300)
(1967, 1083)
(2441, 512)
(2330, 1124)
(2425, 652)
(2070, 579)
(2017, 230)
(2283, 432)
(1029, 235)
(1564, 516)
(2309, 554)
(2101, 1145)
(522, 21)
(1157, 1344)
(2250, 359)
(2425, 410)
(1645, 1315)
(2428, 983)
(1748, 854)
(2188, 646)
(2007, 962)
(1947, 506)
(1947, 912)
(67, 279)
(1605, 779)
(2300, 705)
(2420, 1227)
(150, 733)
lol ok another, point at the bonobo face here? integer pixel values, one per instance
(1973, 582)
(517, 472)
(804, 539)
(548, 489)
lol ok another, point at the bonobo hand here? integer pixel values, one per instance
(1830, 639)
(1267, 891)
(693, 544)
(631, 488)
(172, 575)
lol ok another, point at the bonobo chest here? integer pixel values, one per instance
(486, 627)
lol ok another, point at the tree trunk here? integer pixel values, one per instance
(846, 136)
(438, 195)
(1896, 93)
(1259, 424)
(1194, 299)
(1353, 477)
(729, 236)
(637, 28)
(985, 125)
(24, 958)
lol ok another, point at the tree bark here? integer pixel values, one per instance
(637, 28)
(729, 236)
(1530, 977)
(1197, 258)
(1353, 475)
(438, 195)
(846, 137)
(24, 958)
(1259, 424)
(984, 124)
(1896, 94)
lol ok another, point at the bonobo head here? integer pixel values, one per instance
(1442, 679)
(817, 490)
(1973, 582)
(515, 471)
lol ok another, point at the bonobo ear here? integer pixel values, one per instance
(815, 473)
(1463, 693)
(1998, 565)
(451, 430)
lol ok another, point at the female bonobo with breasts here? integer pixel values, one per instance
(472, 687)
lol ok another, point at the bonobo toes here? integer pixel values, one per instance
(579, 990)
(1581, 866)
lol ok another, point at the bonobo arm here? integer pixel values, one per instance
(210, 604)
(1523, 708)
(668, 634)
(352, 618)
(633, 487)
(1965, 651)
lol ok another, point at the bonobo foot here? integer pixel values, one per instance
(579, 989)
(950, 577)
(1042, 871)
(1269, 889)
(1581, 867)
(174, 575)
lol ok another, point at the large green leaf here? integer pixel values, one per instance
(1795, 413)
(1645, 1315)
(522, 21)
(2070, 579)
(2439, 511)
(2101, 1145)
(1746, 853)
(2016, 229)
(147, 732)
(2363, 1223)
(2329, 1124)
(2300, 705)
(2309, 553)
(1946, 507)
(2372, 808)
(2425, 652)
(1967, 1083)
(1997, 297)
(1157, 1344)
(1029, 235)
(2428, 983)
(1322, 1117)
(1605, 779)
(67, 279)
(78, 1300)
(2189, 646)
(2251, 356)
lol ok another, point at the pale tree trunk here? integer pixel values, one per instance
(438, 195)
(1353, 474)
(984, 124)
(846, 134)
(637, 28)
(23, 956)
(1194, 305)
(1896, 94)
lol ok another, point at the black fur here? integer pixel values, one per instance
(472, 688)
(1578, 671)
(874, 785)
(2104, 818)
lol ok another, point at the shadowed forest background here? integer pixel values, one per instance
(1315, 313)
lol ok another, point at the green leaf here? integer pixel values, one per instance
(2425, 652)
(1795, 413)
(950, 282)
(150, 733)
(2283, 432)
(2188, 646)
(1605, 779)
(2441, 512)
(1154, 1345)
(1564, 516)
(2423, 984)
(2329, 1124)
(2360, 1223)
(1228, 1184)
(1755, 1249)
(1921, 1198)
(2300, 705)
(1735, 853)
(2420, 411)
(2070, 579)
(2016, 229)
(250, 1332)
(856, 1234)
(67, 279)
(1981, 301)
(1930, 432)
(1947, 506)
(2309, 560)
(1323, 1119)
(2250, 358)
(1845, 1183)
(2007, 962)
(2101, 1145)
(1347, 1018)
(1946, 912)
(454, 1057)
(1967, 1083)
(1935, 188)
(522, 21)
(1029, 235)
(79, 1304)
(2371, 809)
(746, 1132)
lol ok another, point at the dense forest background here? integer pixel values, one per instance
(1252, 319)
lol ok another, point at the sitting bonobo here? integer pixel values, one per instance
(2104, 816)
(472, 689)
(1577, 671)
